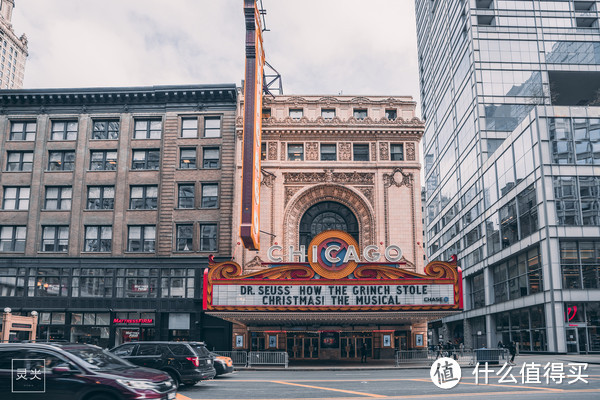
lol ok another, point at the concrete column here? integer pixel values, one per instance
(488, 282)
(490, 324)
(468, 333)
(445, 333)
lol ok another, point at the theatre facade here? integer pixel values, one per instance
(341, 262)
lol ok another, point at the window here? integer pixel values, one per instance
(146, 159)
(186, 195)
(210, 157)
(359, 113)
(528, 221)
(185, 237)
(61, 160)
(22, 131)
(509, 224)
(328, 152)
(189, 127)
(210, 195)
(397, 152)
(105, 130)
(92, 282)
(16, 198)
(101, 198)
(295, 152)
(98, 239)
(361, 152)
(187, 158)
(477, 291)
(328, 113)
(64, 130)
(55, 238)
(141, 238)
(391, 114)
(19, 161)
(143, 197)
(12, 238)
(147, 129)
(266, 113)
(567, 200)
(580, 262)
(105, 160)
(517, 277)
(175, 281)
(296, 113)
(263, 151)
(208, 237)
(58, 197)
(212, 127)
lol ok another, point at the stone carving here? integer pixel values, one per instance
(239, 121)
(410, 151)
(240, 135)
(254, 265)
(358, 178)
(282, 154)
(290, 191)
(345, 150)
(267, 178)
(384, 151)
(312, 151)
(272, 151)
(398, 178)
(373, 151)
(368, 192)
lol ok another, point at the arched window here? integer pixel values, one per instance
(326, 216)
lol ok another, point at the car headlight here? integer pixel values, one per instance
(137, 384)
(209, 361)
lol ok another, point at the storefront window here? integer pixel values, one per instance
(525, 326)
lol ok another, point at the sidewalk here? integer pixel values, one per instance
(339, 365)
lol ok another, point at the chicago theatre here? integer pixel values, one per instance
(340, 263)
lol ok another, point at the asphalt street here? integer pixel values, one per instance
(391, 384)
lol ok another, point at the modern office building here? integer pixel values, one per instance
(13, 50)
(112, 201)
(512, 157)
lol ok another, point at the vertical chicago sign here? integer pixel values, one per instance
(253, 90)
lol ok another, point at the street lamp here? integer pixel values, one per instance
(34, 313)
(7, 310)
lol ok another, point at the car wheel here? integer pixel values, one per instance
(175, 378)
(190, 383)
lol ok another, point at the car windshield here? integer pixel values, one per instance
(98, 359)
(202, 351)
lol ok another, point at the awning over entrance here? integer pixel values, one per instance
(288, 319)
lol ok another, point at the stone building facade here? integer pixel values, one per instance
(13, 50)
(112, 201)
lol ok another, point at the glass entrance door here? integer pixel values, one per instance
(351, 346)
(572, 341)
(303, 346)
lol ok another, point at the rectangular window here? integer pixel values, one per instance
(391, 114)
(105, 160)
(187, 158)
(477, 291)
(508, 224)
(145, 159)
(212, 127)
(92, 282)
(141, 238)
(295, 152)
(105, 130)
(147, 129)
(186, 195)
(328, 152)
(55, 238)
(296, 113)
(64, 130)
(101, 198)
(19, 161)
(98, 239)
(567, 200)
(589, 196)
(210, 195)
(328, 113)
(263, 151)
(528, 218)
(58, 198)
(61, 160)
(22, 131)
(189, 127)
(12, 238)
(361, 152)
(266, 113)
(359, 113)
(397, 152)
(16, 198)
(208, 237)
(143, 197)
(210, 158)
(185, 237)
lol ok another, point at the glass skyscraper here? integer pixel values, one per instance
(510, 93)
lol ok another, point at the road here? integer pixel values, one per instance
(390, 384)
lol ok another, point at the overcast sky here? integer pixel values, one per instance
(318, 46)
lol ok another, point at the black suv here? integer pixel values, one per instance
(179, 359)
(62, 371)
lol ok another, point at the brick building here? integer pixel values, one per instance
(112, 200)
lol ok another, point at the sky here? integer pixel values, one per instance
(350, 47)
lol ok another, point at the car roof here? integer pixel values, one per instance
(162, 342)
(50, 345)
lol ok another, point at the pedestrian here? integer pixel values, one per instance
(512, 350)
(363, 353)
(500, 345)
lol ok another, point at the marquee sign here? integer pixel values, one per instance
(323, 285)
